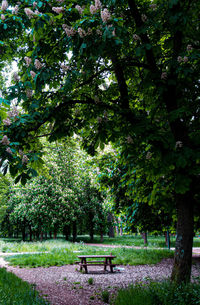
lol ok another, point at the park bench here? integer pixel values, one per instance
(97, 260)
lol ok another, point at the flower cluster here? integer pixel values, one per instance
(153, 6)
(144, 18)
(38, 64)
(105, 15)
(33, 74)
(68, 30)
(16, 9)
(129, 140)
(27, 60)
(29, 13)
(81, 32)
(179, 144)
(3, 17)
(136, 37)
(79, 9)
(164, 75)
(4, 5)
(58, 10)
(96, 7)
(29, 93)
(65, 67)
(182, 59)
(5, 140)
(148, 155)
(189, 47)
(16, 77)
(7, 122)
(13, 113)
(25, 159)
(9, 150)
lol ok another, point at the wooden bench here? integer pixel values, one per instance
(107, 261)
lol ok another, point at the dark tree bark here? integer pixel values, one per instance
(185, 231)
(111, 232)
(66, 232)
(144, 236)
(74, 231)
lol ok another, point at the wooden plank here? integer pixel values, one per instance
(96, 256)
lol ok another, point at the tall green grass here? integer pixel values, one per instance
(163, 293)
(14, 291)
(61, 257)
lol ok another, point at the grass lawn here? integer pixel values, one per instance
(17, 292)
(159, 293)
(62, 256)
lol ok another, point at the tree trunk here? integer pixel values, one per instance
(144, 236)
(185, 229)
(30, 233)
(74, 231)
(54, 235)
(66, 232)
(111, 232)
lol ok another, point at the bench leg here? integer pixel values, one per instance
(105, 264)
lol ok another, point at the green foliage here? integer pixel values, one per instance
(105, 296)
(91, 281)
(164, 293)
(15, 291)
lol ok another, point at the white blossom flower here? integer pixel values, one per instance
(185, 59)
(7, 122)
(144, 18)
(20, 152)
(93, 9)
(25, 159)
(179, 59)
(5, 140)
(27, 60)
(4, 5)
(148, 155)
(16, 9)
(16, 77)
(79, 9)
(98, 4)
(34, 4)
(33, 74)
(179, 144)
(58, 10)
(136, 37)
(65, 67)
(89, 31)
(29, 93)
(68, 30)
(81, 32)
(99, 120)
(38, 64)
(13, 112)
(129, 140)
(189, 47)
(164, 75)
(29, 13)
(153, 6)
(99, 32)
(105, 15)
(9, 150)
(3, 17)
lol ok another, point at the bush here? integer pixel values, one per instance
(163, 293)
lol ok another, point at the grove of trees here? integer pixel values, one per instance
(112, 71)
